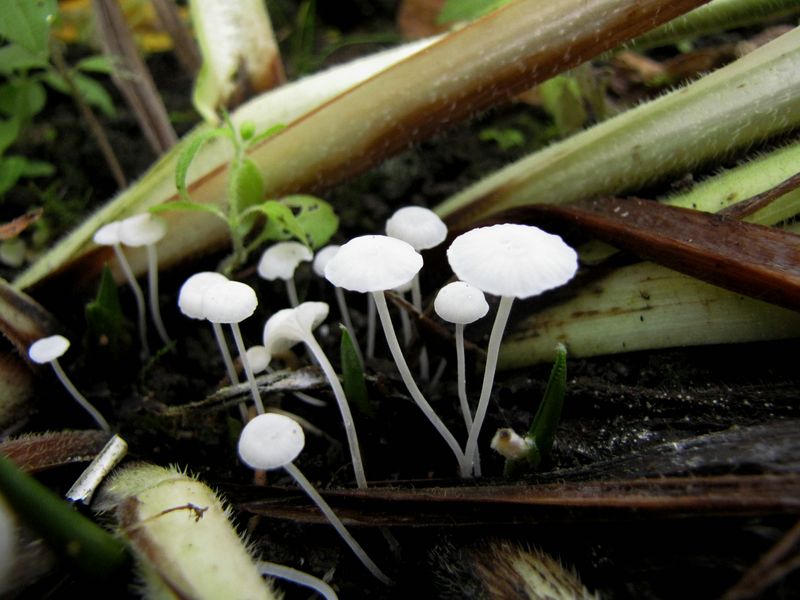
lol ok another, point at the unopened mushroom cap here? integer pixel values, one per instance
(229, 302)
(420, 227)
(512, 260)
(287, 327)
(142, 230)
(460, 303)
(190, 296)
(373, 263)
(280, 260)
(322, 257)
(258, 357)
(47, 349)
(107, 235)
(270, 441)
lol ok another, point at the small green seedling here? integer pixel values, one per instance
(355, 387)
(106, 326)
(526, 453)
(305, 218)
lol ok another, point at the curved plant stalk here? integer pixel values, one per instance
(730, 109)
(642, 307)
(181, 536)
(717, 15)
(240, 54)
(476, 67)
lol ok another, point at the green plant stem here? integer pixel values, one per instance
(92, 549)
(95, 128)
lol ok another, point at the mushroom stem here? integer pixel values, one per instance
(344, 408)
(291, 292)
(137, 294)
(499, 326)
(152, 286)
(462, 389)
(341, 302)
(370, 327)
(296, 576)
(251, 380)
(79, 398)
(416, 300)
(336, 522)
(230, 369)
(408, 378)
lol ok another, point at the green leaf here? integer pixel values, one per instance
(23, 98)
(187, 156)
(104, 319)
(467, 10)
(95, 94)
(190, 206)
(281, 223)
(314, 216)
(11, 169)
(248, 185)
(543, 428)
(37, 168)
(74, 537)
(562, 98)
(9, 131)
(27, 23)
(97, 64)
(355, 387)
(506, 137)
(16, 59)
(267, 133)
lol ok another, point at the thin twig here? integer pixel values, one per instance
(185, 47)
(747, 207)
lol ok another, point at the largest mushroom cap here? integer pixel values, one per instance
(512, 260)
(420, 227)
(373, 263)
(270, 441)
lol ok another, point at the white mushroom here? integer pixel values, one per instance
(510, 261)
(232, 302)
(290, 326)
(280, 261)
(48, 350)
(321, 259)
(375, 263)
(147, 230)
(461, 304)
(272, 441)
(108, 235)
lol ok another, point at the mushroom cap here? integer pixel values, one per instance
(190, 296)
(289, 326)
(142, 230)
(258, 357)
(280, 260)
(322, 257)
(48, 349)
(420, 227)
(512, 260)
(229, 302)
(108, 234)
(270, 441)
(373, 263)
(460, 303)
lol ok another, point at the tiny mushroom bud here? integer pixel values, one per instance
(147, 230)
(293, 325)
(375, 263)
(280, 261)
(109, 235)
(271, 441)
(48, 350)
(510, 261)
(232, 302)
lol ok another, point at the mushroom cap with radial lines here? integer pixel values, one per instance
(270, 441)
(512, 260)
(373, 263)
(142, 230)
(420, 227)
(322, 257)
(280, 260)
(229, 302)
(48, 349)
(190, 296)
(107, 235)
(460, 303)
(288, 326)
